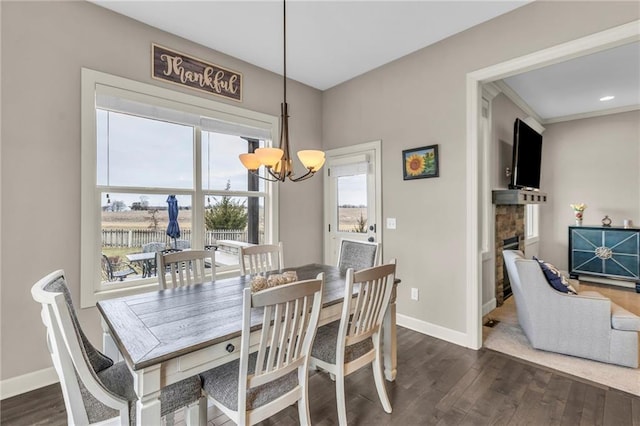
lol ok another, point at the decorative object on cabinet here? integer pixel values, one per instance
(578, 210)
(418, 163)
(606, 222)
(609, 252)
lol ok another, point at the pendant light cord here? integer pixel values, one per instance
(284, 20)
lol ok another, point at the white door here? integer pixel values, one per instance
(352, 200)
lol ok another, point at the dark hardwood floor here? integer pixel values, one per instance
(438, 383)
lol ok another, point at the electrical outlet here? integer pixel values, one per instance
(414, 294)
(391, 223)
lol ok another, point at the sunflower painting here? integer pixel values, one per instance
(418, 163)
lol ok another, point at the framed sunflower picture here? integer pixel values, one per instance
(418, 163)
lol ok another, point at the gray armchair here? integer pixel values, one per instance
(586, 324)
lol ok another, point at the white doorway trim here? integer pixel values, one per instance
(607, 39)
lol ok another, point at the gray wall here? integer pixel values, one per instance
(595, 161)
(421, 100)
(417, 100)
(44, 45)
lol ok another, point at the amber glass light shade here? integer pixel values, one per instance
(269, 156)
(250, 161)
(311, 158)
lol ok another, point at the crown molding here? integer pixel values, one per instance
(516, 99)
(592, 114)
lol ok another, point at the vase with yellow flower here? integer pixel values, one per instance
(578, 210)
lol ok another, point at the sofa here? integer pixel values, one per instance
(586, 324)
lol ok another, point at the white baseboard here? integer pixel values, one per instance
(489, 306)
(433, 330)
(27, 382)
(603, 280)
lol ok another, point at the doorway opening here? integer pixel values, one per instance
(596, 42)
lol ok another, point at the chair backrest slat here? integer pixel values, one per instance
(289, 321)
(261, 258)
(369, 305)
(186, 268)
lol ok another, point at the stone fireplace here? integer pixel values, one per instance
(509, 231)
(509, 227)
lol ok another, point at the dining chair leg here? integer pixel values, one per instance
(340, 400)
(303, 411)
(196, 413)
(303, 402)
(379, 380)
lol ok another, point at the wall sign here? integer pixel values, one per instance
(178, 68)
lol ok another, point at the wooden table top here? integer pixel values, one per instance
(154, 327)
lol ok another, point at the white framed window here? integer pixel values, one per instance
(532, 219)
(142, 143)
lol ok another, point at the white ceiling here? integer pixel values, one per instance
(575, 87)
(329, 42)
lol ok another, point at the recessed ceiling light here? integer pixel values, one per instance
(606, 98)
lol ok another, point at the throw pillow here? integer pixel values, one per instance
(555, 278)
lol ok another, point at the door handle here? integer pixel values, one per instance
(372, 227)
(370, 239)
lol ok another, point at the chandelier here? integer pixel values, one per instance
(277, 161)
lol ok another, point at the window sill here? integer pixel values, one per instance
(141, 288)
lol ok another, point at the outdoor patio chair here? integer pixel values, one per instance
(153, 247)
(115, 271)
(94, 389)
(182, 244)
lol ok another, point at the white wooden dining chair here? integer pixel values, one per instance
(186, 268)
(344, 346)
(262, 383)
(261, 258)
(95, 390)
(357, 254)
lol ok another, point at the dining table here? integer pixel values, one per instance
(169, 335)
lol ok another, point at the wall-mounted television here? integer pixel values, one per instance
(527, 157)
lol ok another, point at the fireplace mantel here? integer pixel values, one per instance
(518, 196)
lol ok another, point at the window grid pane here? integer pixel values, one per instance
(141, 152)
(352, 203)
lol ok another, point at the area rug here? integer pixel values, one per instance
(507, 337)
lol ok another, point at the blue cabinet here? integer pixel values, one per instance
(609, 252)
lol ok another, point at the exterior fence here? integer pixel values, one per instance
(138, 237)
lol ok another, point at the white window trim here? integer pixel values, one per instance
(532, 222)
(91, 290)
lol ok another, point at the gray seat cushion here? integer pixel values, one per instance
(621, 319)
(118, 379)
(221, 383)
(324, 345)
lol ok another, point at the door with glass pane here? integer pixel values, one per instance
(352, 199)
